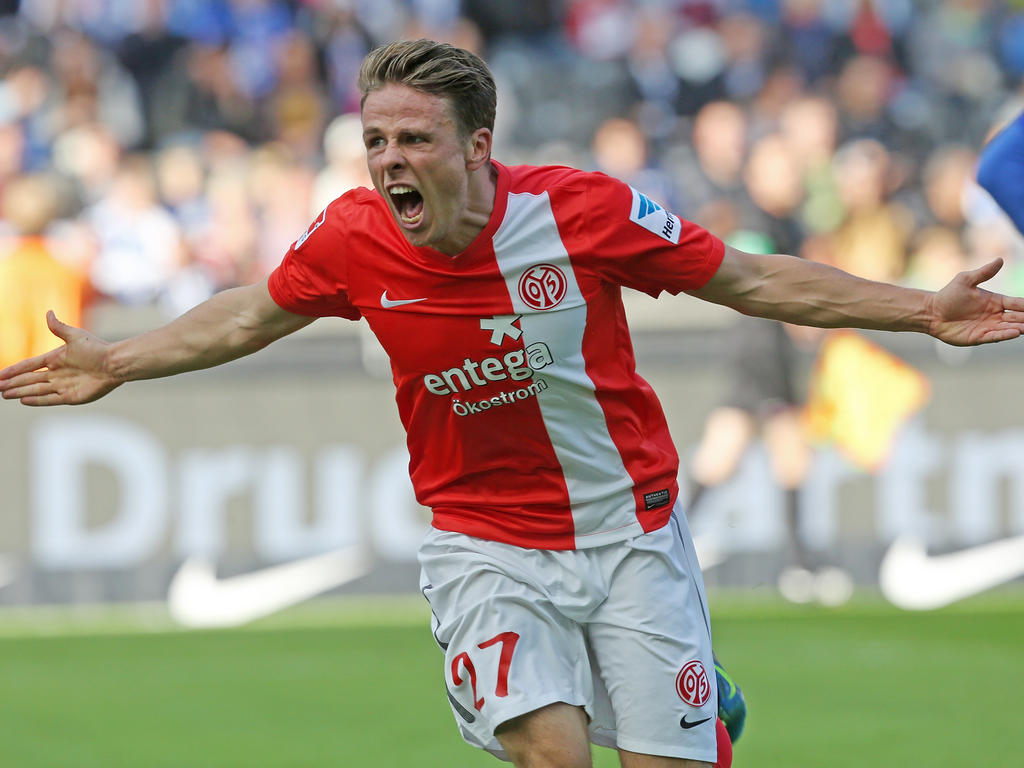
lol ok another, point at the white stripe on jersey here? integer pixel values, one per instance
(600, 489)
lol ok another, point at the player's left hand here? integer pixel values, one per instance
(964, 314)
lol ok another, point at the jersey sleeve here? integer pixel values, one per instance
(638, 243)
(312, 279)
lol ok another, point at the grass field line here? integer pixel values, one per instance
(154, 618)
(410, 609)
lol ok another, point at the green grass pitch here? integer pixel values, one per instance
(343, 684)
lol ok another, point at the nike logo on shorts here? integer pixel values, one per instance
(687, 724)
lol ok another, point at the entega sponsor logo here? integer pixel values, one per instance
(517, 365)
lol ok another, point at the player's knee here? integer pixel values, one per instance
(552, 737)
(556, 753)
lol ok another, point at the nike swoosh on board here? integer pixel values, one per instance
(911, 578)
(392, 303)
(197, 598)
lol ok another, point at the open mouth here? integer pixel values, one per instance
(408, 202)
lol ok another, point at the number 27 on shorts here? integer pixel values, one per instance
(463, 663)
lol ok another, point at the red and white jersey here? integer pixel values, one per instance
(526, 420)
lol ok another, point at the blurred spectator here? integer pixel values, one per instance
(809, 127)
(783, 85)
(649, 63)
(23, 92)
(811, 42)
(140, 244)
(257, 28)
(936, 256)
(863, 90)
(947, 176)
(149, 53)
(344, 42)
(206, 97)
(500, 20)
(297, 109)
(620, 150)
(871, 240)
(32, 279)
(227, 248)
(12, 151)
(180, 179)
(279, 188)
(699, 58)
(668, 94)
(764, 390)
(719, 145)
(90, 86)
(773, 185)
(88, 156)
(345, 168)
(745, 42)
(600, 29)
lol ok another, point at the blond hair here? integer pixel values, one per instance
(439, 69)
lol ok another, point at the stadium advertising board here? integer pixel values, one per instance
(243, 469)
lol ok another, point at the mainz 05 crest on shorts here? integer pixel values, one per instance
(693, 685)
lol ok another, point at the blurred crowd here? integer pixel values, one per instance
(156, 151)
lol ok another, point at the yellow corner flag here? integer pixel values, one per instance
(860, 395)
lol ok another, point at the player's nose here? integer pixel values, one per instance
(392, 157)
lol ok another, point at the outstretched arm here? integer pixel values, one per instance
(807, 293)
(227, 326)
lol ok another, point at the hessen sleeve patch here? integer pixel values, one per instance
(654, 218)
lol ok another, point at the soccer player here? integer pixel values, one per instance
(561, 576)
(1001, 170)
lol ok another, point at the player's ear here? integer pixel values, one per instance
(478, 148)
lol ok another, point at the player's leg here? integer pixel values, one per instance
(554, 736)
(651, 640)
(635, 760)
(727, 434)
(788, 450)
(517, 670)
(790, 457)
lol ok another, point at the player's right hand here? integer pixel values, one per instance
(71, 374)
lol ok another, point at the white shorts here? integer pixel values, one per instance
(620, 630)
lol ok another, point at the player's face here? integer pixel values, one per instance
(421, 165)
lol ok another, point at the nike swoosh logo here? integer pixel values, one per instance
(687, 725)
(911, 578)
(197, 598)
(392, 303)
